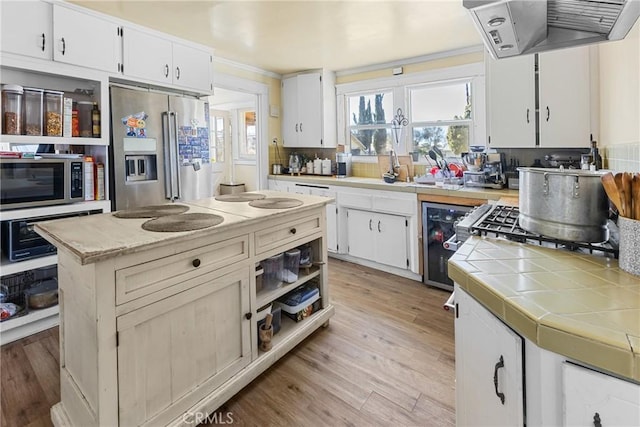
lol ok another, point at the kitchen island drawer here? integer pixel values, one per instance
(284, 233)
(150, 277)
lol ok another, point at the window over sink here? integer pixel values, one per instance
(445, 108)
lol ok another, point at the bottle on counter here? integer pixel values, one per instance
(95, 120)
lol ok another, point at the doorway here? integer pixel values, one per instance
(238, 125)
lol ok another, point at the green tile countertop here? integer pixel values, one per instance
(406, 187)
(580, 306)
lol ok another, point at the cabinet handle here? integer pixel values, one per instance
(296, 128)
(370, 225)
(300, 127)
(548, 113)
(248, 316)
(177, 73)
(166, 70)
(499, 365)
(596, 420)
(196, 262)
(64, 46)
(527, 115)
(293, 231)
(379, 231)
(43, 41)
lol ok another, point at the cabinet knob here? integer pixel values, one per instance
(196, 262)
(248, 316)
(292, 231)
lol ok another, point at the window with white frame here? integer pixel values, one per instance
(441, 115)
(219, 129)
(370, 117)
(247, 146)
(445, 108)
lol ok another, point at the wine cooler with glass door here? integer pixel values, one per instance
(437, 227)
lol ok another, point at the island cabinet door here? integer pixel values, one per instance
(489, 368)
(175, 352)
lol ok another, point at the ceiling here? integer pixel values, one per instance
(288, 36)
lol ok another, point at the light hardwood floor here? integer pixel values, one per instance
(387, 358)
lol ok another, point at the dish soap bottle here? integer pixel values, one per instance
(95, 121)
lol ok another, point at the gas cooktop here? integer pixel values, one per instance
(501, 221)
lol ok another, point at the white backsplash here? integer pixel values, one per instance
(623, 157)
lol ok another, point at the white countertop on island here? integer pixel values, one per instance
(98, 237)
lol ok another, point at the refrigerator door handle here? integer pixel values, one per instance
(168, 170)
(175, 162)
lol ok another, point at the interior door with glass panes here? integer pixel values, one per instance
(220, 143)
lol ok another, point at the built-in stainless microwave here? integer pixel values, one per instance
(40, 182)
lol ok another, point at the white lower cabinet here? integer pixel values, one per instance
(176, 351)
(595, 399)
(489, 361)
(489, 367)
(377, 237)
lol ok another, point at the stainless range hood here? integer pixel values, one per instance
(519, 27)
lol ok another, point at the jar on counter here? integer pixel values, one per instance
(12, 109)
(33, 107)
(84, 119)
(53, 112)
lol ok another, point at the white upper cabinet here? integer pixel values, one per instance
(192, 67)
(27, 28)
(511, 101)
(553, 102)
(565, 112)
(85, 40)
(309, 110)
(154, 58)
(146, 56)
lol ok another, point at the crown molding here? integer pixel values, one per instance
(245, 67)
(413, 60)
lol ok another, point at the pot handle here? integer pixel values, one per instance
(545, 184)
(576, 188)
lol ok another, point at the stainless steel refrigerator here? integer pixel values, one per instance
(160, 148)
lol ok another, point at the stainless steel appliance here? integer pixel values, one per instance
(485, 170)
(437, 227)
(21, 242)
(343, 165)
(160, 148)
(520, 27)
(40, 182)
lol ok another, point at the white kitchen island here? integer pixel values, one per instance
(158, 327)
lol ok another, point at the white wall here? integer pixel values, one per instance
(620, 90)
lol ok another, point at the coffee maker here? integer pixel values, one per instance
(343, 161)
(485, 170)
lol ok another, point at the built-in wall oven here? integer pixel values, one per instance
(438, 221)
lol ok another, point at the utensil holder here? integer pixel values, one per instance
(266, 334)
(629, 257)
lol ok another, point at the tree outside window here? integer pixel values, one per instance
(370, 134)
(441, 116)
